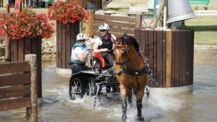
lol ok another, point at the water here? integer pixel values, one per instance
(198, 106)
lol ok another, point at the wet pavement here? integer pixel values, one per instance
(200, 105)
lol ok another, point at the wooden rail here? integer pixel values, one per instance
(118, 24)
(18, 87)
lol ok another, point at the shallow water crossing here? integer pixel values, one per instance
(197, 106)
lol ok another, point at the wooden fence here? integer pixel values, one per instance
(118, 24)
(170, 55)
(18, 49)
(66, 34)
(18, 87)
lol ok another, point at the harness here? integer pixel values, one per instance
(125, 69)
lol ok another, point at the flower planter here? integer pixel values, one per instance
(18, 49)
(65, 36)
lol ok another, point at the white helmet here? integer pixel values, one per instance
(104, 26)
(81, 36)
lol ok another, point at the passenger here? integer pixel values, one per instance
(79, 54)
(104, 43)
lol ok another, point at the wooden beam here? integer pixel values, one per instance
(34, 112)
(89, 30)
(168, 58)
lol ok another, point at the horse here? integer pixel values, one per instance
(129, 69)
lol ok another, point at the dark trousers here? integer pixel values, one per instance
(109, 57)
(78, 67)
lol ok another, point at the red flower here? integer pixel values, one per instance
(67, 12)
(26, 24)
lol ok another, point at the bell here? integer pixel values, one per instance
(179, 10)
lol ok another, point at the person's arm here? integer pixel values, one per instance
(80, 55)
(96, 45)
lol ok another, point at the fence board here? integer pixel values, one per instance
(68, 47)
(15, 103)
(159, 60)
(15, 79)
(181, 34)
(20, 56)
(15, 91)
(115, 18)
(173, 71)
(191, 51)
(155, 41)
(14, 67)
(185, 57)
(116, 23)
(63, 45)
(58, 45)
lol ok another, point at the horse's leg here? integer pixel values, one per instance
(139, 97)
(130, 97)
(123, 92)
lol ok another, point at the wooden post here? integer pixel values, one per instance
(138, 20)
(34, 112)
(168, 58)
(7, 39)
(160, 9)
(89, 30)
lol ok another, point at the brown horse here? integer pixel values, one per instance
(130, 71)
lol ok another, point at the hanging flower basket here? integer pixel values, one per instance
(26, 24)
(67, 12)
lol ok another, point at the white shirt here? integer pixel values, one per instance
(75, 51)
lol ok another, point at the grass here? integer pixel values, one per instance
(205, 29)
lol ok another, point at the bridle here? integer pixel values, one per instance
(122, 63)
(124, 68)
(125, 50)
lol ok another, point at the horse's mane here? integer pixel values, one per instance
(130, 40)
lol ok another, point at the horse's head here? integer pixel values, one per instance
(120, 51)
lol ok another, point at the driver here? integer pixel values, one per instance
(104, 43)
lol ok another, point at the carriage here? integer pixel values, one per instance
(91, 82)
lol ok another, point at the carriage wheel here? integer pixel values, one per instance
(75, 88)
(92, 87)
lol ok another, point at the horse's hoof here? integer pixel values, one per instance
(123, 119)
(140, 119)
